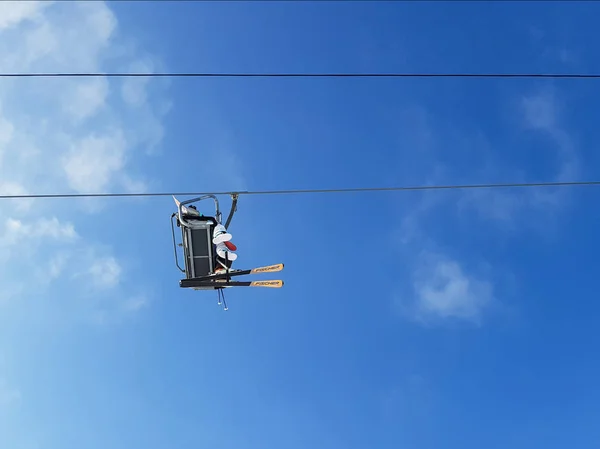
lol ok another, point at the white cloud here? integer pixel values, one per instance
(443, 289)
(99, 19)
(48, 115)
(133, 185)
(14, 12)
(13, 188)
(88, 97)
(57, 265)
(135, 304)
(17, 232)
(540, 111)
(105, 272)
(548, 50)
(71, 37)
(92, 161)
(61, 134)
(133, 90)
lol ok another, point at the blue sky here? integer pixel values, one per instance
(408, 320)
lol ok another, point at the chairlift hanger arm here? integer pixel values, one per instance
(234, 200)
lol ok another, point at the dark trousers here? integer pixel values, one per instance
(226, 263)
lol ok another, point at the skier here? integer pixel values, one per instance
(224, 249)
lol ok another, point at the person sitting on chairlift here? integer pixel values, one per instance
(225, 249)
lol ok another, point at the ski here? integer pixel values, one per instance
(267, 269)
(196, 283)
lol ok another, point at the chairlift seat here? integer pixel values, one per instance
(196, 240)
(198, 246)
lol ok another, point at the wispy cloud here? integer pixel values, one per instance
(549, 49)
(16, 231)
(81, 135)
(92, 161)
(13, 13)
(539, 117)
(541, 112)
(442, 286)
(87, 98)
(105, 272)
(444, 289)
(13, 188)
(438, 286)
(83, 129)
(135, 303)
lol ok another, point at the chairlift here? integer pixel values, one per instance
(204, 269)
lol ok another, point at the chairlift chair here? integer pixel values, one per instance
(199, 254)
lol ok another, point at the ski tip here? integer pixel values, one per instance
(269, 284)
(269, 269)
